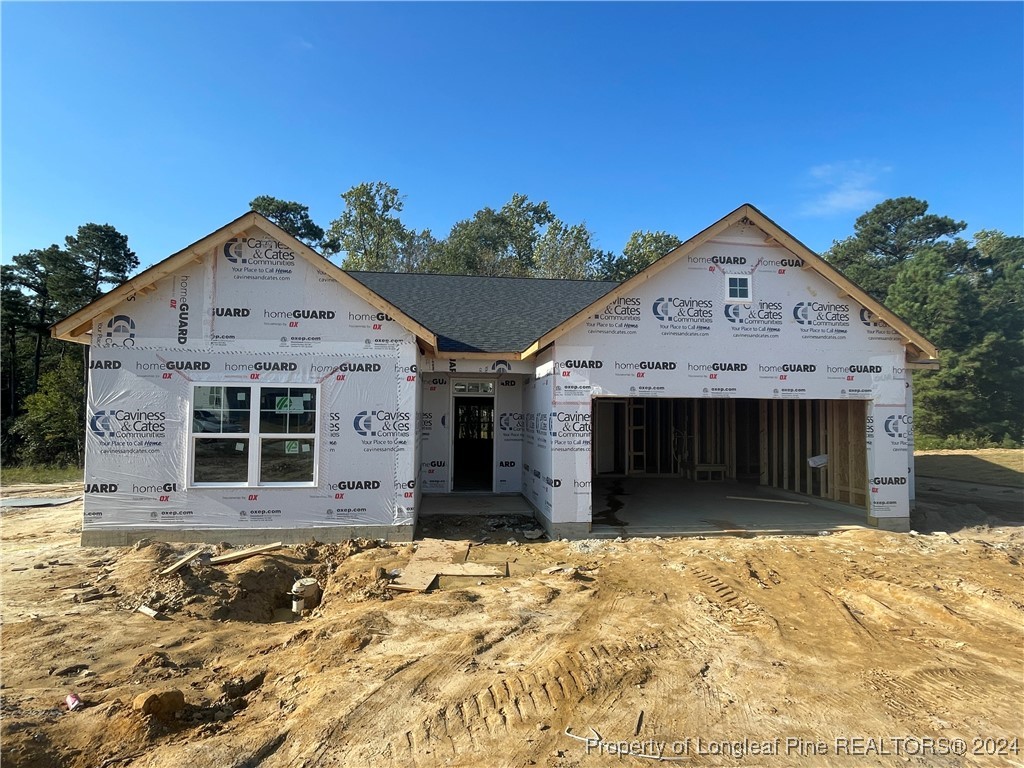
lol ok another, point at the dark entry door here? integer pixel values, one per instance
(473, 454)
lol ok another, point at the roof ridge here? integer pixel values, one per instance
(482, 277)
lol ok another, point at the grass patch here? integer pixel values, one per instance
(991, 466)
(32, 475)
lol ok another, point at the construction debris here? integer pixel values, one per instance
(182, 562)
(244, 553)
(438, 557)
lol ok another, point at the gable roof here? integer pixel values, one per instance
(77, 327)
(471, 313)
(918, 348)
(498, 316)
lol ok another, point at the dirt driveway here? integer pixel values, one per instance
(862, 648)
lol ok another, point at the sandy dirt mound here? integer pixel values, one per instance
(704, 647)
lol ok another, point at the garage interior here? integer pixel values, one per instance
(706, 465)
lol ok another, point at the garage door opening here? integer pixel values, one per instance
(738, 442)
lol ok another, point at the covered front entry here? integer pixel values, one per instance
(473, 444)
(780, 444)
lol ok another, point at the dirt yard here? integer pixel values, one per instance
(863, 648)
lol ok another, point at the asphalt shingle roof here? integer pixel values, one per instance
(484, 314)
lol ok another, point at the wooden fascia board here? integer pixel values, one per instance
(65, 329)
(847, 287)
(679, 252)
(479, 355)
(784, 239)
(340, 276)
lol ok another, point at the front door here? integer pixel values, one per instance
(473, 449)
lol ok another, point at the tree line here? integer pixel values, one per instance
(963, 294)
(521, 239)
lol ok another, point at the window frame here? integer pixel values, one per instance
(255, 434)
(748, 281)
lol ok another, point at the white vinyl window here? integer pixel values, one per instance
(257, 435)
(738, 288)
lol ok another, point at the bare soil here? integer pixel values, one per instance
(819, 640)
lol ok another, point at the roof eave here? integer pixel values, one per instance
(918, 348)
(76, 327)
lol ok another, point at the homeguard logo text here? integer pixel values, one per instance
(370, 317)
(381, 423)
(355, 485)
(716, 367)
(101, 487)
(888, 481)
(818, 313)
(121, 423)
(852, 369)
(181, 304)
(269, 365)
(231, 312)
(762, 313)
(299, 314)
(105, 365)
(646, 365)
(119, 332)
(583, 364)
(719, 260)
(358, 368)
(187, 365)
(789, 368)
(678, 310)
(156, 488)
(781, 263)
(344, 369)
(263, 252)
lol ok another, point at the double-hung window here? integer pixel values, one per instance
(264, 434)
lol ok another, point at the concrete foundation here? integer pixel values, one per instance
(240, 536)
(474, 504)
(897, 524)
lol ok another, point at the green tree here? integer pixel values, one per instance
(886, 236)
(40, 287)
(53, 284)
(641, 250)
(499, 243)
(51, 429)
(965, 297)
(369, 231)
(565, 252)
(104, 255)
(417, 252)
(294, 219)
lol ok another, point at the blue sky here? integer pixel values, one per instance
(165, 119)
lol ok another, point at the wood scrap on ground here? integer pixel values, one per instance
(182, 562)
(244, 553)
(438, 557)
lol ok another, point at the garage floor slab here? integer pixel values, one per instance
(677, 507)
